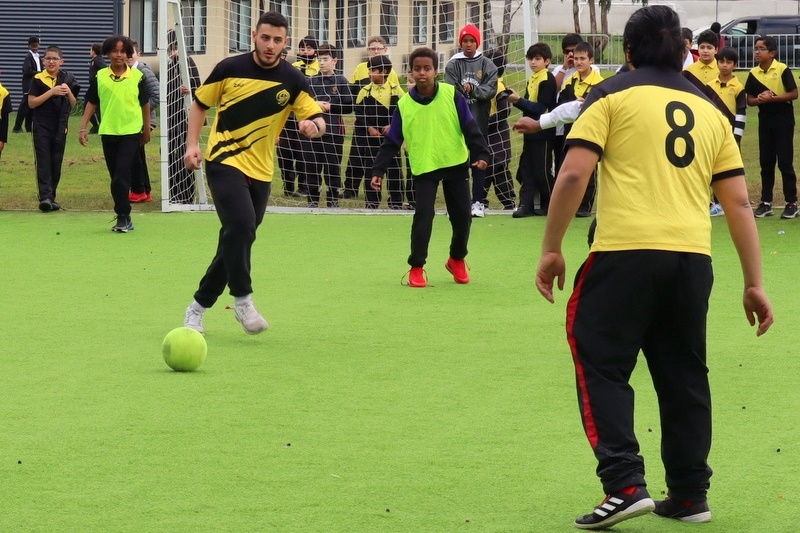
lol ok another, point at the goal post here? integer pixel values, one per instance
(174, 115)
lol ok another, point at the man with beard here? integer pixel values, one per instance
(254, 93)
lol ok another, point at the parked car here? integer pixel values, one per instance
(741, 34)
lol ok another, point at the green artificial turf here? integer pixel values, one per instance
(367, 406)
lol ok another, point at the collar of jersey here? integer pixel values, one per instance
(125, 74)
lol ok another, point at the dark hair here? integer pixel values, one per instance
(111, 43)
(423, 52)
(539, 49)
(652, 37)
(708, 37)
(380, 63)
(584, 47)
(687, 34)
(33, 40)
(326, 50)
(716, 27)
(570, 39)
(730, 54)
(97, 48)
(769, 43)
(56, 49)
(309, 41)
(273, 18)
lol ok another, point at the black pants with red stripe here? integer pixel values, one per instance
(654, 301)
(240, 202)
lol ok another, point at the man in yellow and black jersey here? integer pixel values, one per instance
(771, 86)
(254, 94)
(646, 283)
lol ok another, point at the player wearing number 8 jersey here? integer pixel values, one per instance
(660, 144)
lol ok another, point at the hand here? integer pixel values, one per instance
(376, 182)
(145, 138)
(766, 96)
(513, 97)
(326, 106)
(309, 128)
(2, 145)
(551, 266)
(385, 130)
(568, 61)
(757, 306)
(83, 137)
(373, 131)
(193, 157)
(467, 88)
(527, 125)
(185, 90)
(480, 164)
(61, 90)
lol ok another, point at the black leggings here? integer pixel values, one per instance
(457, 199)
(240, 202)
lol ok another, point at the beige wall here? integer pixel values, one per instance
(218, 23)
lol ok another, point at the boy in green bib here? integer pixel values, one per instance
(443, 141)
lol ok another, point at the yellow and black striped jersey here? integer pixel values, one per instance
(252, 104)
(778, 79)
(661, 143)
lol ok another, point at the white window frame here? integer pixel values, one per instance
(241, 22)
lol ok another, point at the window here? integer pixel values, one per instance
(474, 13)
(356, 23)
(318, 17)
(240, 24)
(284, 7)
(420, 22)
(389, 21)
(193, 13)
(447, 26)
(144, 24)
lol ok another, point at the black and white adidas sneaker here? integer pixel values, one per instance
(626, 504)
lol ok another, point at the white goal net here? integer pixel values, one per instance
(334, 171)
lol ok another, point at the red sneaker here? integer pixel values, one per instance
(137, 197)
(458, 268)
(147, 197)
(416, 277)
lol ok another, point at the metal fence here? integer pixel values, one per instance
(788, 49)
(609, 52)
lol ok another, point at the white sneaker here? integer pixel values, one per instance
(194, 319)
(478, 210)
(251, 320)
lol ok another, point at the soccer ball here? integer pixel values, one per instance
(184, 349)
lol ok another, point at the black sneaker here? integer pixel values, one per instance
(124, 224)
(763, 210)
(55, 205)
(616, 508)
(790, 211)
(46, 205)
(696, 512)
(522, 212)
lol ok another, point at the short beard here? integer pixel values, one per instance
(261, 63)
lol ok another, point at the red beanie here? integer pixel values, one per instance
(472, 31)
